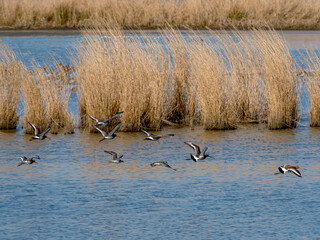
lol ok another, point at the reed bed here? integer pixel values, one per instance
(312, 79)
(115, 74)
(214, 91)
(280, 81)
(46, 95)
(216, 80)
(11, 74)
(244, 14)
(217, 83)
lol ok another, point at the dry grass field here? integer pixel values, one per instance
(137, 14)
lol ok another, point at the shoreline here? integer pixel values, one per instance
(76, 32)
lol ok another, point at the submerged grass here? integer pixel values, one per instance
(245, 14)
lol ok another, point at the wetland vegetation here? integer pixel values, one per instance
(178, 79)
(127, 14)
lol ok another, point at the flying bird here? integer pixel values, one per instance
(115, 158)
(288, 168)
(105, 122)
(153, 137)
(25, 160)
(199, 155)
(37, 134)
(162, 163)
(111, 134)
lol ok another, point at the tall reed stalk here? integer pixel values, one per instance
(11, 75)
(183, 101)
(312, 79)
(117, 74)
(280, 80)
(213, 88)
(46, 96)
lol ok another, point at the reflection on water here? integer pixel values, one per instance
(74, 192)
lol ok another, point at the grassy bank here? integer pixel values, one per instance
(243, 14)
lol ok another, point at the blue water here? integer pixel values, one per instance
(74, 193)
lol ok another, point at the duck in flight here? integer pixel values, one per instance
(288, 168)
(111, 134)
(162, 163)
(37, 134)
(115, 158)
(199, 155)
(153, 137)
(105, 122)
(25, 160)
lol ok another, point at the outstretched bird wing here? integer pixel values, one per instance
(44, 133)
(35, 129)
(93, 118)
(114, 130)
(295, 171)
(113, 117)
(101, 131)
(149, 134)
(195, 147)
(114, 154)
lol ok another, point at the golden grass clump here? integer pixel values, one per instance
(128, 14)
(11, 75)
(117, 74)
(279, 74)
(244, 62)
(46, 96)
(218, 82)
(213, 88)
(182, 100)
(312, 79)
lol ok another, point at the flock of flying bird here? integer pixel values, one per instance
(197, 156)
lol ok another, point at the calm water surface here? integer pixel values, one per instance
(74, 193)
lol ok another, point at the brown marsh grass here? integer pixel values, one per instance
(46, 96)
(247, 77)
(280, 78)
(243, 14)
(217, 82)
(214, 91)
(115, 74)
(11, 74)
(312, 79)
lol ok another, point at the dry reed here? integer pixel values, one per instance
(312, 79)
(11, 74)
(245, 14)
(239, 76)
(280, 78)
(213, 87)
(115, 74)
(46, 96)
